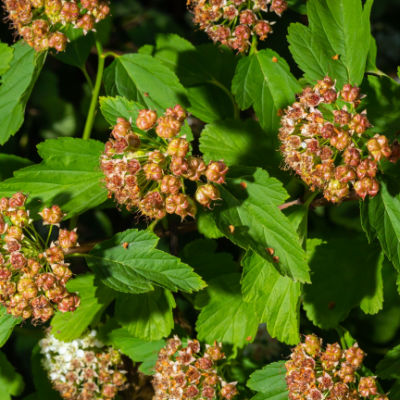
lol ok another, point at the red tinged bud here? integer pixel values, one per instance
(146, 119)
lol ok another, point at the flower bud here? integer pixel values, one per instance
(170, 184)
(168, 127)
(177, 113)
(216, 172)
(153, 171)
(146, 119)
(52, 215)
(178, 147)
(205, 194)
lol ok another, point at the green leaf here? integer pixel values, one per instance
(383, 215)
(6, 55)
(250, 204)
(144, 79)
(270, 382)
(9, 163)
(225, 316)
(146, 316)
(335, 30)
(78, 49)
(201, 254)
(16, 86)
(206, 225)
(277, 297)
(343, 262)
(382, 102)
(266, 85)
(94, 299)
(138, 350)
(7, 324)
(115, 107)
(373, 303)
(389, 366)
(11, 383)
(138, 267)
(69, 176)
(238, 143)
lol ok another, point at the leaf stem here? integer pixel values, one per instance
(88, 79)
(95, 93)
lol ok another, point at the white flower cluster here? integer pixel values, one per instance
(84, 368)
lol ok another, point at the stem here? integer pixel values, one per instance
(253, 48)
(95, 93)
(87, 77)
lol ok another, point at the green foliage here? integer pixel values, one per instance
(277, 297)
(326, 46)
(69, 176)
(250, 204)
(16, 85)
(382, 215)
(9, 163)
(336, 264)
(263, 80)
(146, 316)
(144, 79)
(139, 350)
(389, 367)
(238, 143)
(6, 55)
(11, 383)
(7, 324)
(224, 315)
(138, 266)
(269, 382)
(94, 299)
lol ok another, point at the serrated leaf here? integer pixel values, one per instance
(6, 55)
(201, 254)
(389, 366)
(116, 107)
(270, 382)
(225, 316)
(144, 79)
(94, 299)
(263, 80)
(148, 315)
(16, 85)
(342, 262)
(277, 297)
(138, 267)
(238, 143)
(326, 46)
(138, 350)
(250, 205)
(10, 163)
(383, 215)
(7, 324)
(69, 176)
(11, 383)
(207, 226)
(382, 102)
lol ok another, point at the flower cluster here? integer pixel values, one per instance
(315, 374)
(83, 369)
(328, 143)
(40, 22)
(33, 273)
(234, 22)
(146, 169)
(183, 373)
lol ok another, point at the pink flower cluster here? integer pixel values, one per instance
(182, 372)
(40, 22)
(33, 273)
(329, 144)
(234, 22)
(146, 167)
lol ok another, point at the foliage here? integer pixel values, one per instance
(269, 257)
